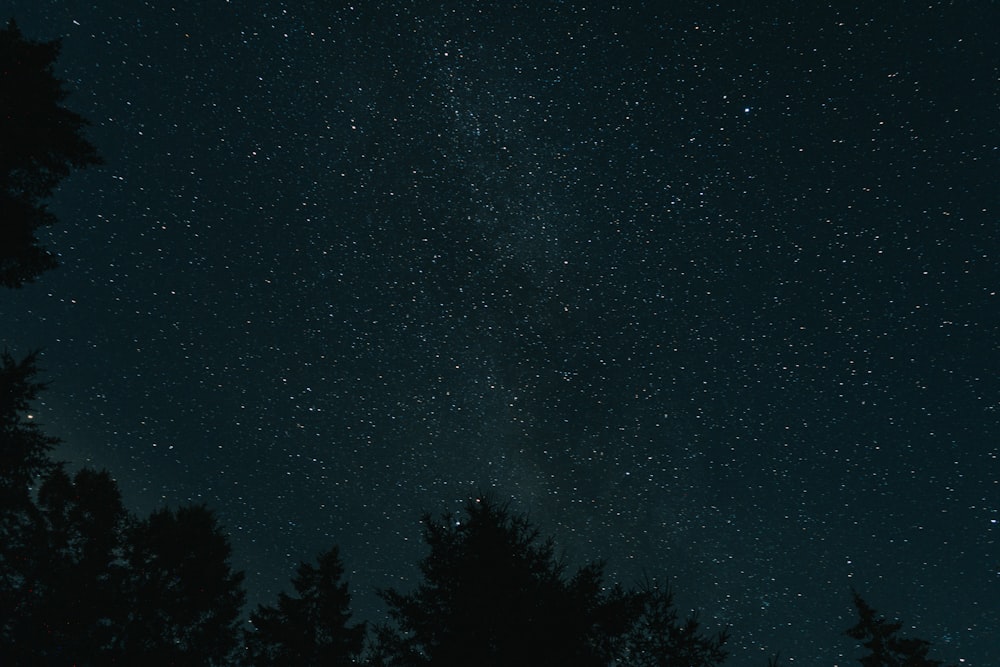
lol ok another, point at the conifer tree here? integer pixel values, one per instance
(24, 458)
(493, 593)
(41, 141)
(184, 598)
(659, 638)
(884, 646)
(80, 604)
(312, 628)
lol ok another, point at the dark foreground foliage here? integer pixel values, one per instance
(494, 592)
(83, 581)
(41, 142)
(311, 628)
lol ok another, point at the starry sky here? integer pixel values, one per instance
(709, 291)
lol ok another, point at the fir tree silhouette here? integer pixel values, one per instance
(24, 457)
(312, 628)
(494, 593)
(659, 638)
(80, 602)
(184, 598)
(885, 648)
(40, 143)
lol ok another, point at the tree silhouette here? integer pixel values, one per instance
(493, 593)
(660, 639)
(81, 603)
(184, 598)
(24, 456)
(312, 628)
(58, 555)
(83, 582)
(24, 449)
(40, 142)
(884, 647)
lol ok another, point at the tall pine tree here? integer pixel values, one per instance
(41, 141)
(80, 605)
(883, 645)
(660, 638)
(312, 628)
(493, 593)
(184, 597)
(24, 458)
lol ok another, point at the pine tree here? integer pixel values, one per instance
(659, 638)
(24, 449)
(81, 605)
(883, 645)
(40, 143)
(493, 593)
(184, 598)
(312, 628)
(24, 458)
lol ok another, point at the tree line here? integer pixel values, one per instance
(84, 581)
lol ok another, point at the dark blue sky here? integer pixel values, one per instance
(711, 292)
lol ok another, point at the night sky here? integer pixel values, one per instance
(709, 291)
